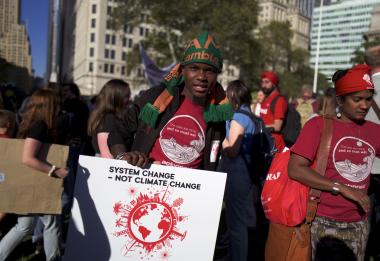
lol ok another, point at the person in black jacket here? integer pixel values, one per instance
(181, 121)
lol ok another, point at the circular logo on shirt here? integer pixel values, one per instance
(182, 139)
(353, 158)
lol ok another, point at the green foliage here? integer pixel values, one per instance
(275, 38)
(234, 24)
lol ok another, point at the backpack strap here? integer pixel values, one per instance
(273, 103)
(322, 155)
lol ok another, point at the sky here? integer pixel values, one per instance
(34, 13)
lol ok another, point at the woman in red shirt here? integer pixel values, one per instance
(343, 209)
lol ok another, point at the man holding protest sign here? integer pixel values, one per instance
(180, 122)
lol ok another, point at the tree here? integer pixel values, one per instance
(291, 63)
(180, 21)
(276, 46)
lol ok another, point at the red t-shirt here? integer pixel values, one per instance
(182, 140)
(268, 116)
(352, 152)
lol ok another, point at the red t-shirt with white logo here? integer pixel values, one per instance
(352, 152)
(182, 139)
(279, 112)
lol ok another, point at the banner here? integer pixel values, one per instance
(25, 190)
(153, 74)
(122, 212)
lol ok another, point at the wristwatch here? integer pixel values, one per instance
(335, 189)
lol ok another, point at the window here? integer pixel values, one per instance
(106, 68)
(130, 43)
(92, 37)
(112, 68)
(93, 23)
(124, 41)
(146, 32)
(92, 51)
(113, 39)
(109, 10)
(107, 38)
(122, 70)
(90, 67)
(106, 53)
(141, 31)
(112, 54)
(93, 9)
(124, 56)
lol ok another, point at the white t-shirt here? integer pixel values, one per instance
(371, 116)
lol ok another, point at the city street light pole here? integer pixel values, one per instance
(317, 52)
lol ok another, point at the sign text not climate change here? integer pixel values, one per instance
(150, 177)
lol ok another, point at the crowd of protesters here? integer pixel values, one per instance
(141, 131)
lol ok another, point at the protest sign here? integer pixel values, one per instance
(25, 190)
(122, 212)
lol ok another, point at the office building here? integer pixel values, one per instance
(288, 10)
(342, 28)
(14, 44)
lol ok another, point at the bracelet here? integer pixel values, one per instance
(51, 171)
(335, 189)
(120, 156)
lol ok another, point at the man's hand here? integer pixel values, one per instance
(135, 158)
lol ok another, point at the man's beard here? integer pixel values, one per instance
(267, 92)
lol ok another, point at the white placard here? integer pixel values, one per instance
(122, 212)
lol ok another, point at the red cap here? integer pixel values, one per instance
(271, 76)
(356, 79)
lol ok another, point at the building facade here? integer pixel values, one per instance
(342, 28)
(288, 10)
(14, 44)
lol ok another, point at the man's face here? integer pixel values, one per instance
(355, 105)
(267, 86)
(306, 95)
(199, 78)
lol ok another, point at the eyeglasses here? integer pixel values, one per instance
(196, 70)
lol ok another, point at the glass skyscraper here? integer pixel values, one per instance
(343, 25)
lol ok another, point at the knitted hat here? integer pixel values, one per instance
(203, 49)
(271, 76)
(217, 110)
(356, 79)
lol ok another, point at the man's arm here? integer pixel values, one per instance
(276, 126)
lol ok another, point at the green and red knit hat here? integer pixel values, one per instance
(203, 49)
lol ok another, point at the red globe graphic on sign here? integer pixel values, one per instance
(151, 222)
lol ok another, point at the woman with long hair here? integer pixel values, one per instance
(344, 204)
(37, 128)
(110, 104)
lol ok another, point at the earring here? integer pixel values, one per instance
(338, 114)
